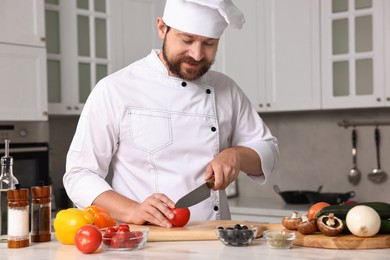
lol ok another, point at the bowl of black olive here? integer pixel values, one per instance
(239, 235)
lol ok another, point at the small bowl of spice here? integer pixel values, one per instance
(279, 239)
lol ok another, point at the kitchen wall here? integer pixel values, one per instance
(314, 151)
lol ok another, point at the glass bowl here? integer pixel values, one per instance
(280, 239)
(133, 240)
(239, 235)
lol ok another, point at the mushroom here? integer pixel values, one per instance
(307, 226)
(329, 225)
(291, 223)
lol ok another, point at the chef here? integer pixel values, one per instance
(166, 123)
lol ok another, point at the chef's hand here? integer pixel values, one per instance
(155, 209)
(225, 168)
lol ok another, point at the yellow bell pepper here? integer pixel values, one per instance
(68, 221)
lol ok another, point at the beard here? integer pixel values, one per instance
(174, 65)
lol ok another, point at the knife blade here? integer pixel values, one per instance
(197, 195)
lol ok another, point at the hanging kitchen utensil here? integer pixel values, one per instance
(354, 175)
(377, 175)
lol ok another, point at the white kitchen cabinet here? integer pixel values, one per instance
(22, 61)
(355, 53)
(78, 53)
(134, 18)
(123, 31)
(22, 22)
(275, 58)
(23, 83)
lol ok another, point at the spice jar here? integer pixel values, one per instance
(18, 234)
(40, 213)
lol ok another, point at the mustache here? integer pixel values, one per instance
(189, 59)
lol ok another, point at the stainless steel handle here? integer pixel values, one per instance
(26, 149)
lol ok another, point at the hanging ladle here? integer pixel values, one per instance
(377, 175)
(354, 175)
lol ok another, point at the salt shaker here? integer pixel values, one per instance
(40, 213)
(7, 182)
(18, 214)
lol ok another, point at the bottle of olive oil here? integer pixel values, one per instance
(7, 182)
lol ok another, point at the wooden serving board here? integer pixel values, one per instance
(205, 230)
(342, 241)
(195, 230)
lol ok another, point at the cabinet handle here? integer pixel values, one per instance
(260, 105)
(388, 99)
(76, 108)
(378, 99)
(268, 104)
(43, 39)
(68, 107)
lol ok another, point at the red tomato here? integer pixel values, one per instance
(315, 208)
(123, 229)
(138, 235)
(88, 238)
(123, 225)
(118, 241)
(109, 233)
(182, 216)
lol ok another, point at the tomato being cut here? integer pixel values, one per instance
(182, 216)
(88, 238)
(315, 208)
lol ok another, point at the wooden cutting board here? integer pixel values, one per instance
(204, 230)
(342, 241)
(195, 230)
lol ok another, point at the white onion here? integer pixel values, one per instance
(363, 221)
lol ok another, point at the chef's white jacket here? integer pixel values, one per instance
(159, 133)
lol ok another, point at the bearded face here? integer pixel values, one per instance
(176, 53)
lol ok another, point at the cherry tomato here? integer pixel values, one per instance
(109, 233)
(118, 241)
(138, 235)
(182, 216)
(315, 208)
(88, 238)
(123, 225)
(123, 229)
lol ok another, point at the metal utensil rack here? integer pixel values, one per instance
(347, 123)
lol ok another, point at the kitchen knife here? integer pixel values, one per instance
(197, 195)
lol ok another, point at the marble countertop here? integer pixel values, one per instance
(186, 250)
(265, 206)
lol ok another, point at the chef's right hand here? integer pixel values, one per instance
(155, 209)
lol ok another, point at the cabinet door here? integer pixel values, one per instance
(22, 22)
(353, 53)
(387, 51)
(130, 18)
(241, 53)
(275, 58)
(292, 47)
(78, 43)
(23, 83)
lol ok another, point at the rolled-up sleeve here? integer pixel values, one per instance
(252, 132)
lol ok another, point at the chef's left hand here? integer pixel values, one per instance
(225, 168)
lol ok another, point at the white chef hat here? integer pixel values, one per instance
(207, 18)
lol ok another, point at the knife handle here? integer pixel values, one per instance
(210, 182)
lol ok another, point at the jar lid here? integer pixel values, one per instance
(17, 194)
(40, 191)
